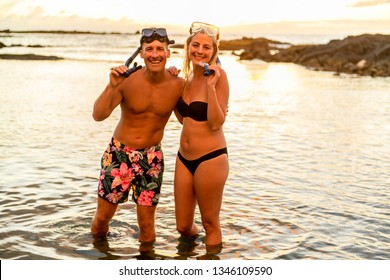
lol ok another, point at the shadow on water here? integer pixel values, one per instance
(186, 247)
(71, 238)
(147, 250)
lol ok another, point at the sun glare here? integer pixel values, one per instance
(278, 78)
(120, 14)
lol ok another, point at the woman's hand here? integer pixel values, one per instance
(173, 71)
(213, 78)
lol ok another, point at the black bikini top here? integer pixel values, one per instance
(197, 110)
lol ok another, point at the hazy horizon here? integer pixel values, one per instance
(246, 17)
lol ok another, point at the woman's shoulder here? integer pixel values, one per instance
(179, 82)
(223, 72)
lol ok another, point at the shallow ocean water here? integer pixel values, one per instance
(309, 165)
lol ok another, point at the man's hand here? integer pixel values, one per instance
(115, 75)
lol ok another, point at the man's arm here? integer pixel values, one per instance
(111, 97)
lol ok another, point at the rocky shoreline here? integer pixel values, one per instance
(29, 56)
(364, 55)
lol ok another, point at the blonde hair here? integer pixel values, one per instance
(187, 69)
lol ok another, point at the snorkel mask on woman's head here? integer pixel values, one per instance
(151, 34)
(209, 29)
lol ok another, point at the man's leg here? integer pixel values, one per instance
(146, 221)
(103, 215)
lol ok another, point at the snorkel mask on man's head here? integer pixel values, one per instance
(151, 34)
(148, 36)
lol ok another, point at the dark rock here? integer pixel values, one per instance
(367, 54)
(245, 43)
(35, 46)
(29, 57)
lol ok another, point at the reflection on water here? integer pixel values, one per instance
(309, 157)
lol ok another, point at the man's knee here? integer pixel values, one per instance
(146, 217)
(101, 219)
(146, 230)
(146, 225)
(99, 227)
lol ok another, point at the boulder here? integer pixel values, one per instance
(367, 54)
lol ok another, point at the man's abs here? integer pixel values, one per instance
(141, 135)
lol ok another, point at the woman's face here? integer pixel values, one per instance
(201, 49)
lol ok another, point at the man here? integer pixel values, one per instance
(133, 162)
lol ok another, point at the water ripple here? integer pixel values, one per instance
(309, 168)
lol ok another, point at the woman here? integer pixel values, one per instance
(202, 165)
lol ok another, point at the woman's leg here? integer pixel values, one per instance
(185, 200)
(209, 182)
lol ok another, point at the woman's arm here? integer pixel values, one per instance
(218, 98)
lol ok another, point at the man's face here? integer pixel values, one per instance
(155, 55)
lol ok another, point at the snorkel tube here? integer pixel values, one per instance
(132, 57)
(129, 61)
(206, 71)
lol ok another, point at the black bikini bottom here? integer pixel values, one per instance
(192, 165)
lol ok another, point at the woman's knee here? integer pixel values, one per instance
(186, 228)
(211, 225)
(183, 229)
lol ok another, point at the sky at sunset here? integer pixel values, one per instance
(244, 16)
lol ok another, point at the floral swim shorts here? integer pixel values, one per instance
(125, 169)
